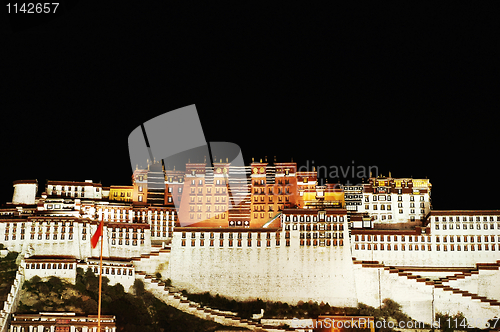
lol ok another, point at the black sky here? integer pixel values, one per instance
(413, 91)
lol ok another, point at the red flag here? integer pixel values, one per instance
(96, 236)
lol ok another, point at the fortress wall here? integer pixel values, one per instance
(484, 284)
(77, 246)
(416, 298)
(428, 258)
(373, 285)
(276, 273)
(49, 270)
(476, 312)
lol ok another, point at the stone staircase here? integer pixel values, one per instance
(155, 261)
(441, 285)
(145, 268)
(176, 299)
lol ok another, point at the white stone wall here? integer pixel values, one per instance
(75, 243)
(46, 270)
(416, 298)
(473, 250)
(275, 273)
(485, 283)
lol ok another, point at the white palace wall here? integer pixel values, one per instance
(45, 236)
(275, 273)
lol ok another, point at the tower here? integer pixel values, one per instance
(24, 191)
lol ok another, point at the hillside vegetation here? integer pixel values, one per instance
(134, 312)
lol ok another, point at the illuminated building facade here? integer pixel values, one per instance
(402, 201)
(270, 231)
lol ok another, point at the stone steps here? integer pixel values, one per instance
(403, 272)
(177, 300)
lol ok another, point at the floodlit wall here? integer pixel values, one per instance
(275, 273)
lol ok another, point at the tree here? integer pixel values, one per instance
(90, 307)
(138, 287)
(55, 284)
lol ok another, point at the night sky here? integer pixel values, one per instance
(413, 91)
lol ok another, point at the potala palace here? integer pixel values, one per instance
(274, 233)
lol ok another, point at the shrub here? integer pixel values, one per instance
(138, 287)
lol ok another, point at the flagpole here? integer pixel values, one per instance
(100, 284)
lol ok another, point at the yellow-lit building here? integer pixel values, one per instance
(121, 193)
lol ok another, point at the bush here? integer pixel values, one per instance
(55, 284)
(138, 287)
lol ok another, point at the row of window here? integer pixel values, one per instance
(39, 237)
(48, 266)
(120, 235)
(159, 228)
(402, 238)
(48, 221)
(316, 235)
(314, 218)
(423, 247)
(263, 214)
(125, 230)
(127, 242)
(469, 218)
(107, 270)
(238, 235)
(209, 199)
(70, 188)
(316, 227)
(200, 182)
(261, 191)
(209, 190)
(416, 238)
(164, 223)
(388, 198)
(270, 199)
(230, 243)
(321, 243)
(122, 194)
(40, 229)
(464, 226)
(207, 216)
(179, 190)
(263, 207)
(161, 234)
(400, 211)
(389, 206)
(471, 238)
(127, 218)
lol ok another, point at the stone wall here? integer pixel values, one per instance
(278, 272)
